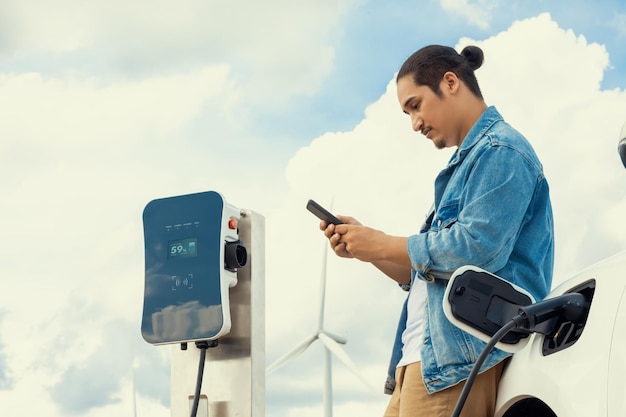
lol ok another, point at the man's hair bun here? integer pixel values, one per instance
(474, 55)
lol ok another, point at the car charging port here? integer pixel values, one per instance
(568, 329)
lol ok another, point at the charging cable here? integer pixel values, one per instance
(481, 359)
(203, 346)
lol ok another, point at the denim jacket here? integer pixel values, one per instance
(492, 210)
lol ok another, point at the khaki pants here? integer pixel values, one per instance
(410, 398)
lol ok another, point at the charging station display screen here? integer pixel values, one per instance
(185, 248)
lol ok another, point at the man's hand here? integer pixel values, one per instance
(361, 242)
(353, 240)
(334, 238)
(385, 252)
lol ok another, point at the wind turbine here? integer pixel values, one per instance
(331, 344)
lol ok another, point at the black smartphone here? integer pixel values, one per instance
(322, 213)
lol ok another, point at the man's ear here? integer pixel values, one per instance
(451, 82)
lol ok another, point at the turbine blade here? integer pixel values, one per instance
(339, 339)
(291, 354)
(344, 358)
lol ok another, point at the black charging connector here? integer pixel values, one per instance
(541, 317)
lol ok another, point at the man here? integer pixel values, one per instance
(492, 209)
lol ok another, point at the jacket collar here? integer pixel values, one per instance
(480, 128)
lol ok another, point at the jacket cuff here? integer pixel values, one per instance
(390, 385)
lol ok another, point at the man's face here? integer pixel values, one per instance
(429, 112)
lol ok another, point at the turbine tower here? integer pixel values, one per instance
(331, 344)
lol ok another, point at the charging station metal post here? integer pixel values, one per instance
(234, 378)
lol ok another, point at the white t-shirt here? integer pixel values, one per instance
(413, 335)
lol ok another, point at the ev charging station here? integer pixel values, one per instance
(205, 295)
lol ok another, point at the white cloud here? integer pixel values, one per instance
(476, 12)
(51, 111)
(293, 41)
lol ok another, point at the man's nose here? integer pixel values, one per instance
(417, 123)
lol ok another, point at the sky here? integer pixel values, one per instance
(107, 105)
